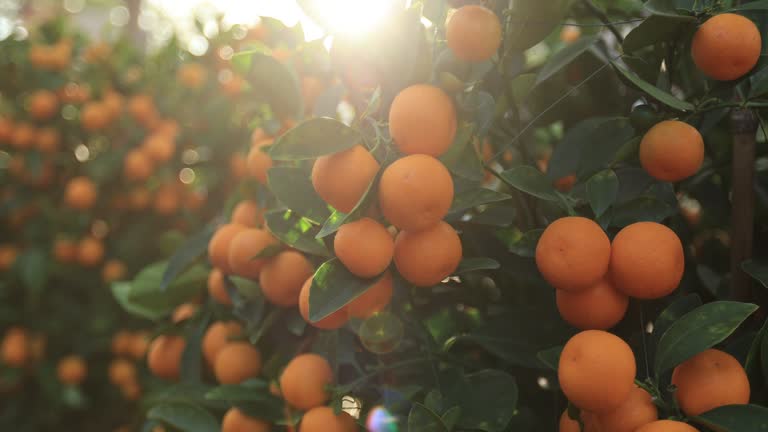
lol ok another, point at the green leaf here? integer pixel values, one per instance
(666, 8)
(567, 156)
(759, 83)
(757, 270)
(674, 312)
(476, 264)
(528, 179)
(277, 84)
(451, 417)
(532, 20)
(753, 5)
(551, 357)
(478, 410)
(564, 57)
(314, 138)
(656, 29)
(192, 249)
(337, 219)
(252, 390)
(735, 418)
(474, 197)
(333, 286)
(525, 244)
(295, 232)
(292, 187)
(33, 269)
(184, 416)
(644, 208)
(602, 190)
(699, 330)
(461, 157)
(422, 419)
(653, 91)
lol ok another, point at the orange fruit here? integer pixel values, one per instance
(597, 308)
(573, 253)
(139, 344)
(65, 250)
(597, 371)
(48, 140)
(304, 380)
(365, 247)
(159, 147)
(235, 421)
(113, 101)
(258, 163)
(137, 165)
(373, 300)
(726, 47)
(23, 136)
(245, 246)
(80, 193)
(342, 178)
(71, 370)
(709, 380)
(192, 75)
(667, 426)
(216, 288)
(282, 277)
(638, 410)
(94, 116)
(6, 129)
(647, 260)
(233, 86)
(184, 312)
(15, 347)
(90, 252)
(113, 270)
(121, 372)
(43, 104)
(167, 199)
(247, 213)
(238, 166)
(164, 359)
(425, 258)
(672, 151)
(323, 419)
(218, 247)
(139, 198)
(142, 109)
(473, 33)
(121, 343)
(570, 34)
(332, 321)
(217, 336)
(422, 120)
(236, 362)
(569, 425)
(131, 391)
(565, 184)
(415, 192)
(8, 255)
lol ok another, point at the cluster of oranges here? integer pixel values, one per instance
(128, 347)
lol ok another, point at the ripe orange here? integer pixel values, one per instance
(139, 344)
(159, 147)
(48, 140)
(647, 260)
(473, 33)
(65, 250)
(236, 362)
(90, 252)
(573, 253)
(167, 199)
(672, 151)
(422, 120)
(238, 166)
(80, 193)
(43, 104)
(71, 370)
(597, 308)
(192, 75)
(258, 163)
(131, 391)
(565, 184)
(597, 371)
(235, 421)
(113, 101)
(726, 47)
(142, 109)
(137, 166)
(184, 312)
(342, 178)
(6, 129)
(638, 410)
(589, 420)
(113, 270)
(304, 380)
(373, 300)
(164, 359)
(122, 372)
(323, 419)
(216, 288)
(218, 247)
(415, 192)
(570, 34)
(139, 198)
(424, 258)
(365, 247)
(667, 426)
(15, 347)
(121, 343)
(217, 336)
(8, 255)
(247, 213)
(245, 246)
(282, 277)
(94, 116)
(23, 136)
(332, 321)
(709, 380)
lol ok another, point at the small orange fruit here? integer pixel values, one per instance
(192, 75)
(113, 270)
(23, 136)
(373, 300)
(342, 178)
(71, 370)
(415, 192)
(246, 245)
(569, 425)
(236, 362)
(159, 147)
(48, 140)
(597, 371)
(65, 250)
(365, 247)
(137, 165)
(282, 277)
(6, 129)
(726, 47)
(247, 213)
(422, 120)
(258, 163)
(235, 421)
(473, 33)
(164, 359)
(238, 166)
(218, 335)
(167, 199)
(216, 288)
(121, 343)
(90, 252)
(672, 151)
(8, 255)
(638, 410)
(647, 260)
(323, 419)
(570, 34)
(709, 380)
(425, 258)
(80, 193)
(184, 312)
(121, 372)
(139, 345)
(43, 104)
(332, 321)
(218, 247)
(573, 253)
(94, 116)
(15, 347)
(597, 308)
(304, 380)
(667, 426)
(142, 109)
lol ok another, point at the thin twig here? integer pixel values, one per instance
(604, 18)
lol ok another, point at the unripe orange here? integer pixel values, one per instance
(304, 380)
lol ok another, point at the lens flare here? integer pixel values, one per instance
(380, 420)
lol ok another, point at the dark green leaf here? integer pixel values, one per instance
(192, 249)
(551, 357)
(451, 417)
(564, 57)
(532, 20)
(422, 419)
(753, 5)
(253, 390)
(528, 179)
(333, 286)
(478, 411)
(674, 312)
(314, 138)
(276, 83)
(667, 8)
(33, 269)
(567, 155)
(759, 83)
(757, 270)
(525, 244)
(476, 264)
(185, 417)
(295, 232)
(735, 418)
(292, 187)
(653, 91)
(337, 219)
(461, 158)
(655, 29)
(602, 190)
(475, 197)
